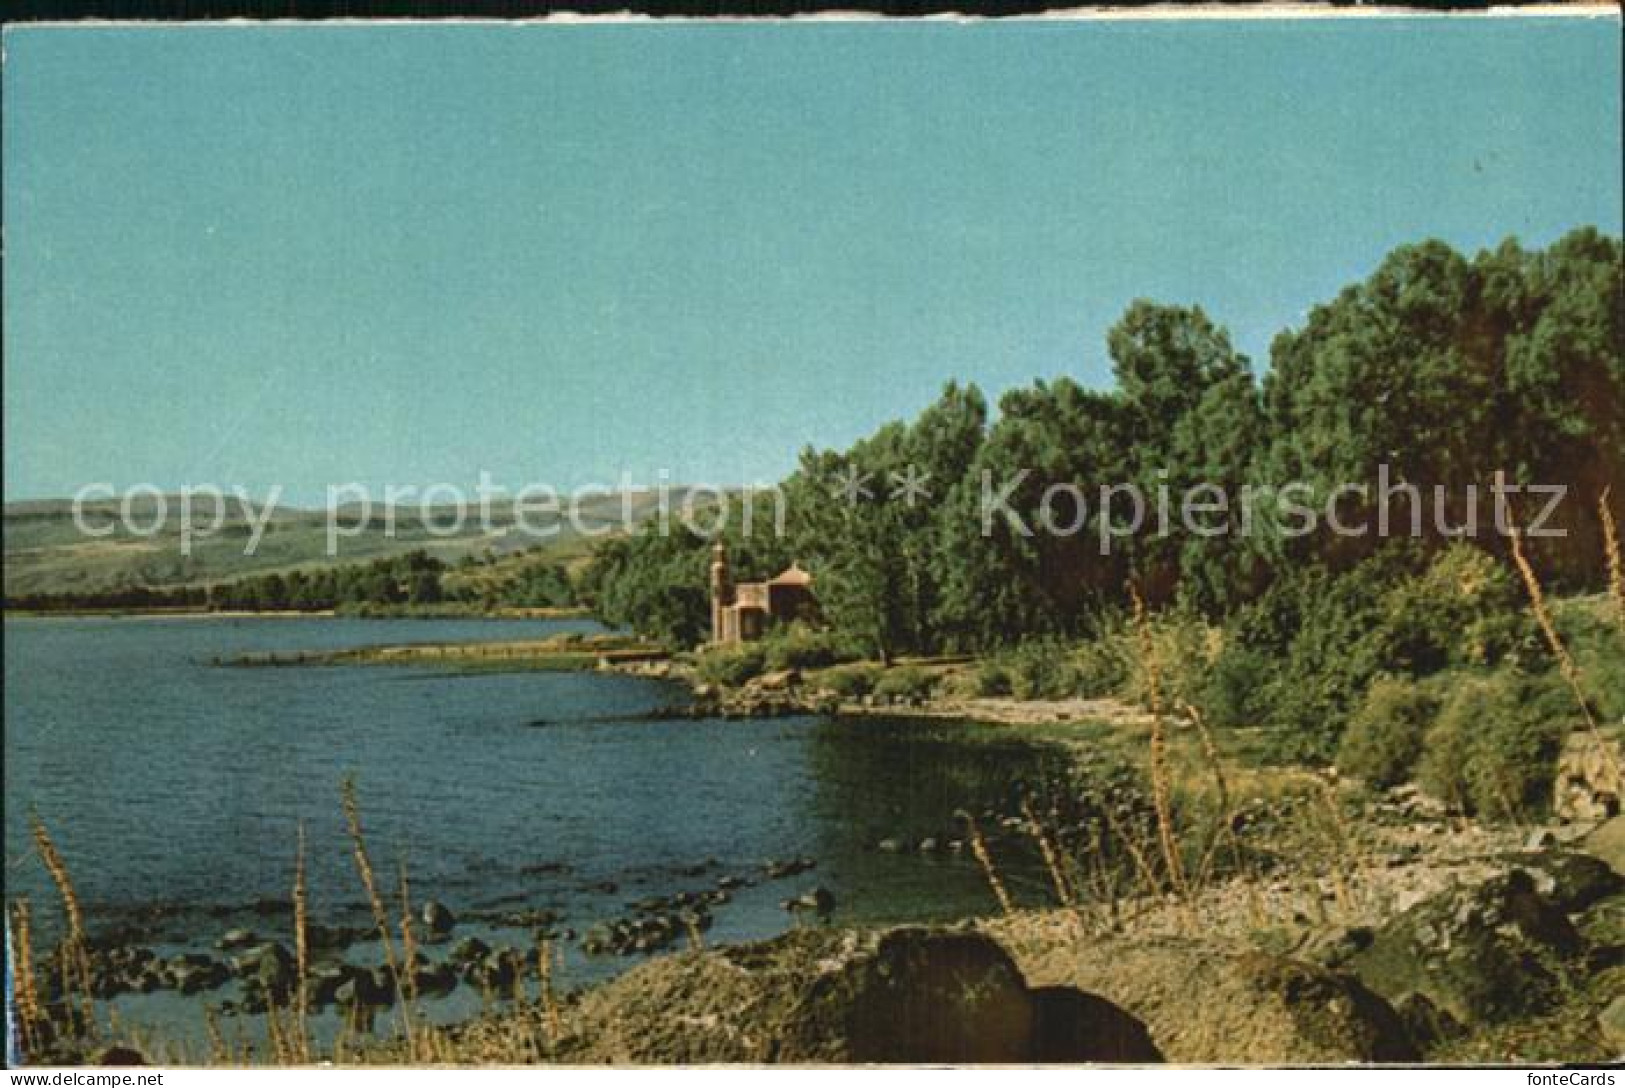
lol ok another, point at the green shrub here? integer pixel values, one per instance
(1493, 749)
(1384, 737)
(801, 647)
(991, 678)
(904, 681)
(1184, 647)
(731, 666)
(1041, 669)
(1591, 633)
(848, 681)
(1102, 666)
(1463, 609)
(1238, 686)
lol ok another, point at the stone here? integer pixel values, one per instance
(1571, 881)
(1072, 1026)
(469, 949)
(119, 1055)
(1427, 1024)
(438, 920)
(818, 996)
(1485, 954)
(1336, 946)
(821, 901)
(1213, 1001)
(235, 938)
(1540, 839)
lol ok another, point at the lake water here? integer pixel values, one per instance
(174, 787)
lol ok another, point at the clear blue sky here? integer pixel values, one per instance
(305, 255)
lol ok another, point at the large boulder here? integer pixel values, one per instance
(1571, 882)
(1210, 1001)
(820, 996)
(1483, 954)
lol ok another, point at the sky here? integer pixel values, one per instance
(305, 255)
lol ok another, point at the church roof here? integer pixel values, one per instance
(792, 575)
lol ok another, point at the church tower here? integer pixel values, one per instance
(722, 591)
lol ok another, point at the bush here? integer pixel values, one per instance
(1464, 609)
(848, 681)
(1589, 629)
(1384, 737)
(1042, 669)
(731, 666)
(1493, 750)
(1102, 667)
(1238, 686)
(991, 678)
(904, 681)
(801, 647)
(1185, 648)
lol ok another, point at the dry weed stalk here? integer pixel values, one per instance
(978, 846)
(1226, 826)
(1565, 661)
(696, 940)
(1616, 564)
(544, 980)
(1342, 846)
(75, 950)
(1161, 785)
(369, 883)
(1137, 852)
(219, 1052)
(30, 1016)
(1052, 861)
(301, 952)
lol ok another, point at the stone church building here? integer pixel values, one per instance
(743, 611)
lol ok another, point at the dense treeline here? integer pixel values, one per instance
(414, 579)
(1444, 369)
(1438, 371)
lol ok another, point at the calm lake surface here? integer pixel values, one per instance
(174, 787)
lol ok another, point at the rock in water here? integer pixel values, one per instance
(438, 918)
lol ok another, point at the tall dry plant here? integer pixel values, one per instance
(978, 847)
(1225, 828)
(301, 952)
(1565, 660)
(369, 883)
(1047, 851)
(219, 1052)
(30, 1014)
(420, 1046)
(544, 980)
(1611, 552)
(75, 949)
(1161, 780)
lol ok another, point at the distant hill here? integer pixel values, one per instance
(45, 552)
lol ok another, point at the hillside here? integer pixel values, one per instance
(46, 553)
